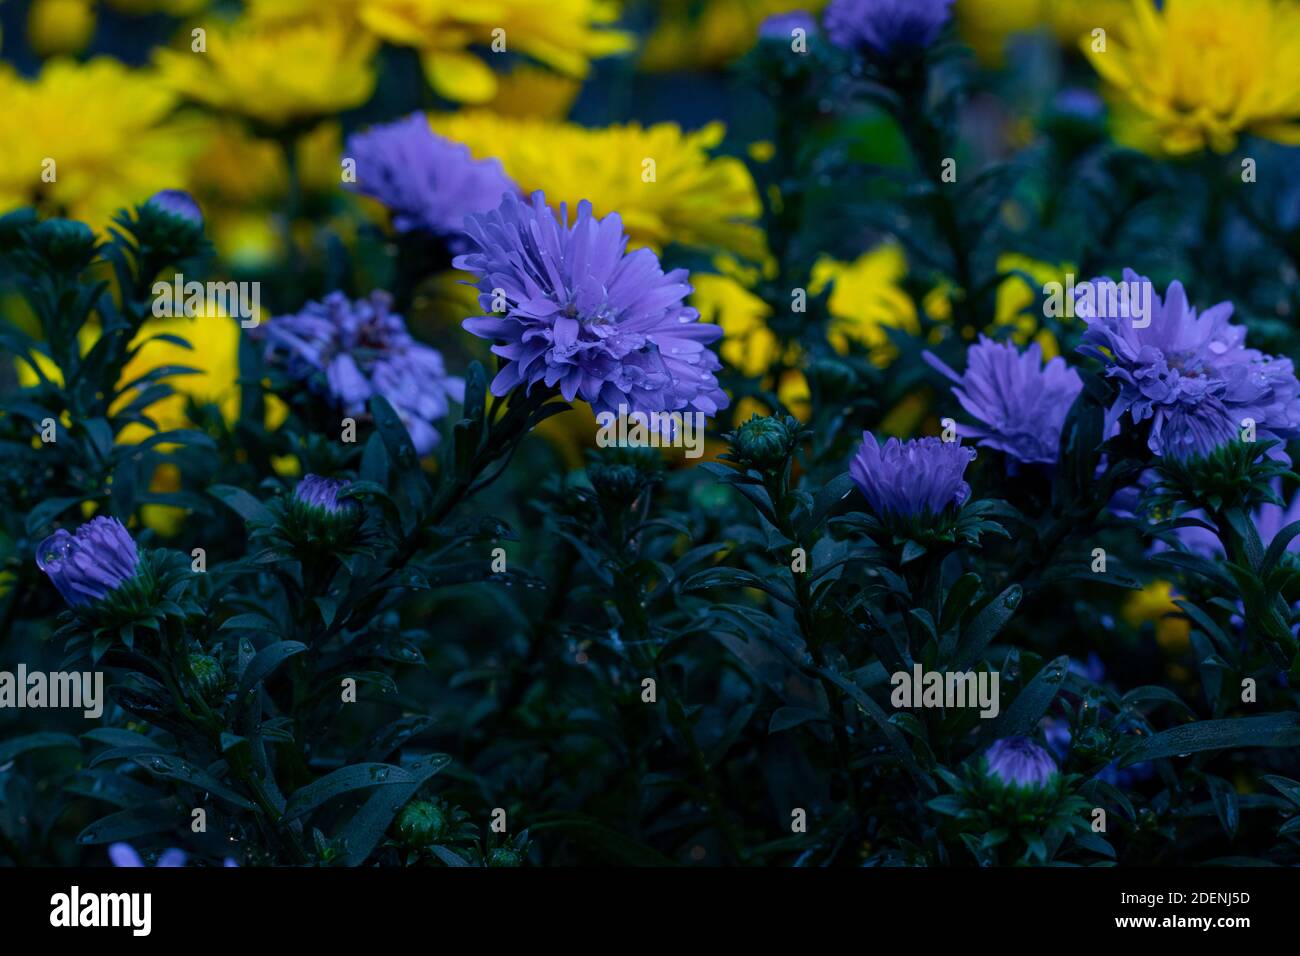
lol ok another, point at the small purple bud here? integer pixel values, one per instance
(323, 493)
(179, 203)
(1019, 762)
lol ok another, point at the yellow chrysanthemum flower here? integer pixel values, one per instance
(84, 140)
(276, 73)
(867, 299)
(661, 180)
(565, 35)
(693, 36)
(1195, 74)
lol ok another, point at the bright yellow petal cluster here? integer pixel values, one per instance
(84, 140)
(276, 73)
(664, 182)
(867, 300)
(565, 35)
(1195, 74)
(694, 36)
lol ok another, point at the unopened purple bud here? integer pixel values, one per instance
(1019, 762)
(86, 566)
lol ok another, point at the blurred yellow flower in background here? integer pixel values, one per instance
(691, 35)
(661, 180)
(57, 27)
(867, 300)
(532, 91)
(987, 25)
(1016, 294)
(84, 140)
(1195, 74)
(1155, 603)
(214, 355)
(276, 73)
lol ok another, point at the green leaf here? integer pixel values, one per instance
(1264, 730)
(363, 831)
(243, 504)
(45, 740)
(1032, 702)
(344, 780)
(170, 767)
(986, 625)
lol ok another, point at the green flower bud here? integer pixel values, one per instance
(422, 823)
(765, 444)
(504, 856)
(208, 674)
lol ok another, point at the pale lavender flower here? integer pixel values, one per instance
(429, 184)
(125, 855)
(1019, 402)
(1019, 762)
(920, 478)
(346, 351)
(888, 29)
(1191, 376)
(87, 566)
(781, 26)
(569, 307)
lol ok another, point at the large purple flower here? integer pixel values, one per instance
(86, 566)
(914, 479)
(1191, 375)
(889, 29)
(429, 183)
(570, 307)
(1019, 402)
(1019, 762)
(349, 351)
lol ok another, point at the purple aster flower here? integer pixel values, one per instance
(890, 29)
(1019, 762)
(781, 26)
(323, 493)
(178, 203)
(349, 351)
(1079, 102)
(125, 855)
(1020, 403)
(86, 566)
(1191, 376)
(568, 306)
(913, 479)
(429, 183)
